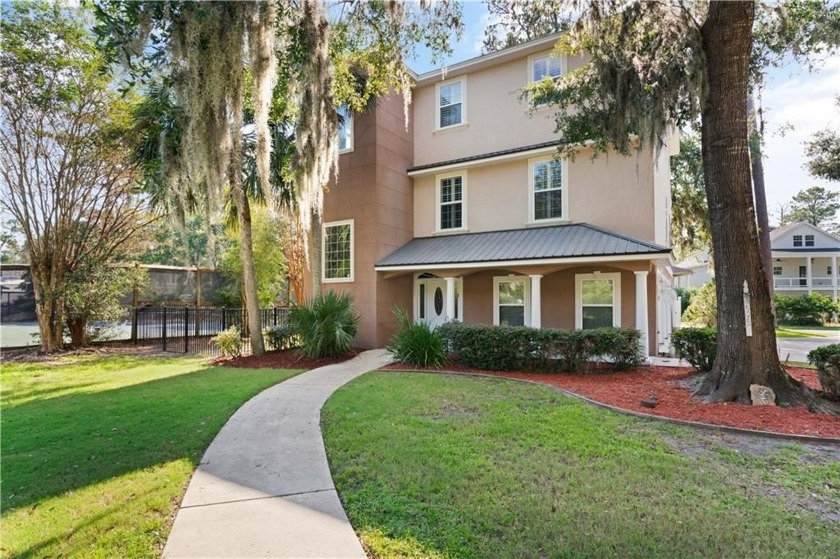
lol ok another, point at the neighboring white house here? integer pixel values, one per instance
(695, 271)
(805, 260)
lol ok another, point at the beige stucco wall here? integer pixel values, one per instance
(496, 117)
(612, 191)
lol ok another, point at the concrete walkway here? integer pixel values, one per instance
(263, 488)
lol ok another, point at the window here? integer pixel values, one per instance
(598, 298)
(777, 270)
(337, 251)
(547, 189)
(345, 129)
(510, 294)
(797, 240)
(546, 66)
(809, 240)
(451, 202)
(828, 270)
(450, 104)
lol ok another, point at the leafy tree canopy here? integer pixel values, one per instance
(817, 206)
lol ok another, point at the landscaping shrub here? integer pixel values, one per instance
(827, 361)
(503, 348)
(702, 311)
(281, 337)
(327, 324)
(416, 343)
(805, 310)
(696, 345)
(229, 342)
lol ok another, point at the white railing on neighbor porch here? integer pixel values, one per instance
(802, 283)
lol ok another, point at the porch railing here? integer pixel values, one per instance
(797, 282)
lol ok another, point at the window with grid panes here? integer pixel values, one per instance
(338, 251)
(450, 104)
(451, 202)
(548, 190)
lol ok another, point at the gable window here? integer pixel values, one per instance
(777, 270)
(547, 192)
(451, 202)
(450, 104)
(809, 240)
(598, 300)
(510, 294)
(337, 251)
(345, 129)
(797, 240)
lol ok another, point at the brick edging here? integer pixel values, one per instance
(641, 415)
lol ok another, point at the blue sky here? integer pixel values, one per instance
(796, 103)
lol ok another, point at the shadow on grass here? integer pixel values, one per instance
(54, 445)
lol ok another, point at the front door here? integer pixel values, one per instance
(433, 301)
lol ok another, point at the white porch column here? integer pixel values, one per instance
(450, 299)
(834, 278)
(808, 274)
(642, 310)
(536, 302)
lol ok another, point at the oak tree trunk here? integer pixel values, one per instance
(762, 218)
(77, 328)
(741, 359)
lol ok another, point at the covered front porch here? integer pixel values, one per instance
(631, 289)
(799, 273)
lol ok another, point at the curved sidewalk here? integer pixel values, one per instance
(263, 488)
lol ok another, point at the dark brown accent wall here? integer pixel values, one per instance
(373, 190)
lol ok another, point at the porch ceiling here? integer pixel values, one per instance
(557, 244)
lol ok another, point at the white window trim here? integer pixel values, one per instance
(564, 191)
(813, 240)
(616, 279)
(526, 303)
(801, 241)
(351, 140)
(324, 278)
(564, 64)
(464, 122)
(464, 196)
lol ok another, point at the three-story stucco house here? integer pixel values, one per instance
(467, 215)
(805, 260)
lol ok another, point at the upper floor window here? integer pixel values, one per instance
(809, 240)
(797, 240)
(545, 66)
(450, 104)
(345, 129)
(337, 251)
(547, 190)
(451, 202)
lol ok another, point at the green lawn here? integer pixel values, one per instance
(97, 453)
(791, 332)
(441, 466)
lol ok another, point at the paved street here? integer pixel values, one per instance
(796, 349)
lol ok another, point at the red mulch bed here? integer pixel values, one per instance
(284, 359)
(626, 389)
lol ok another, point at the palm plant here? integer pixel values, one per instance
(327, 324)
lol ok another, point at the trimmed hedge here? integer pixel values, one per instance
(805, 310)
(520, 348)
(827, 360)
(698, 346)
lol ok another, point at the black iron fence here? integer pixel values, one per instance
(189, 329)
